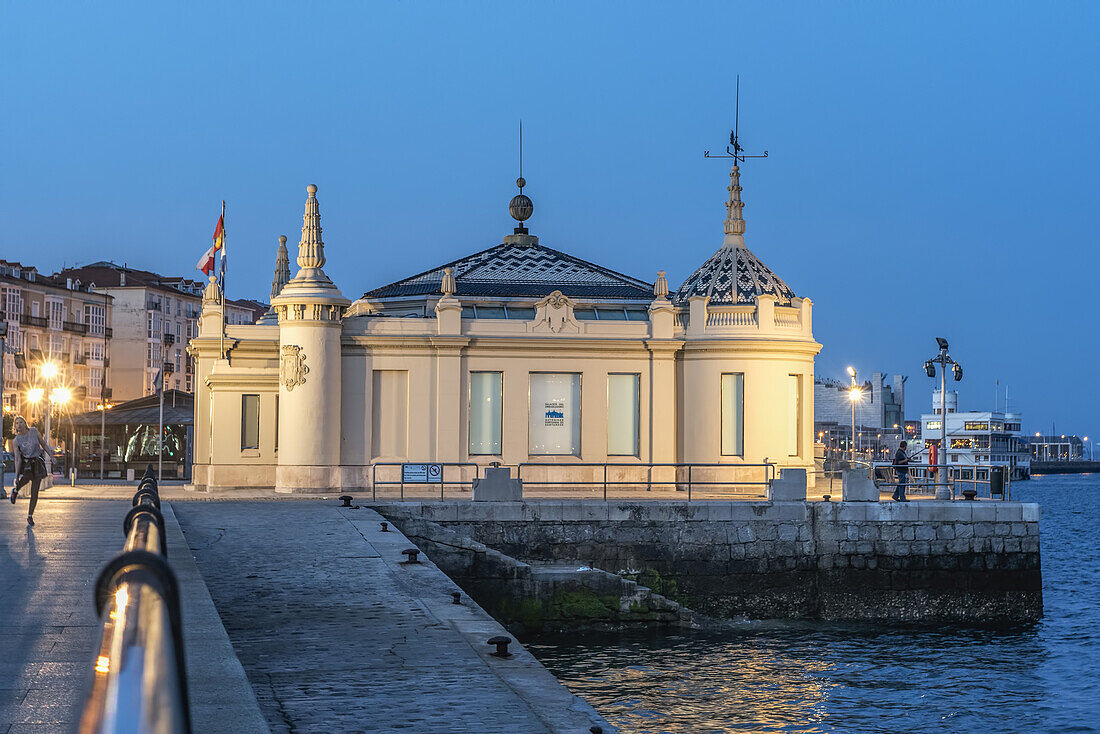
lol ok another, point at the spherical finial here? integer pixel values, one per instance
(520, 207)
(282, 239)
(312, 188)
(521, 182)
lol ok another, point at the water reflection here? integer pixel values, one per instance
(816, 677)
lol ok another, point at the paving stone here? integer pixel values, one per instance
(336, 635)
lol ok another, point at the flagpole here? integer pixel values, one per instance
(221, 336)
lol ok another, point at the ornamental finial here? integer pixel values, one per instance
(735, 220)
(311, 250)
(282, 268)
(660, 286)
(448, 286)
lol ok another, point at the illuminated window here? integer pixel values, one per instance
(733, 414)
(961, 443)
(794, 415)
(976, 426)
(933, 425)
(486, 412)
(622, 415)
(554, 414)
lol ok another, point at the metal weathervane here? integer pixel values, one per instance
(734, 149)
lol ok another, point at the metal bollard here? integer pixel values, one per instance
(346, 499)
(596, 729)
(385, 527)
(502, 646)
(411, 555)
(456, 597)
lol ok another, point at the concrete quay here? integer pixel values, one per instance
(49, 631)
(926, 562)
(338, 635)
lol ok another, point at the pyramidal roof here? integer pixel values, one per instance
(519, 270)
(734, 275)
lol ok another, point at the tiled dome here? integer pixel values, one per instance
(734, 275)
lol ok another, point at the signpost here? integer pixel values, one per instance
(422, 474)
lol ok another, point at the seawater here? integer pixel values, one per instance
(824, 677)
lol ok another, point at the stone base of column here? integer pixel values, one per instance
(308, 479)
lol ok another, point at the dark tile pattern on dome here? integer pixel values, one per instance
(734, 275)
(517, 271)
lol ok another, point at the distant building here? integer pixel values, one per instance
(53, 320)
(879, 414)
(1056, 448)
(154, 318)
(977, 440)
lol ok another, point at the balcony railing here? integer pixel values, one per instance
(27, 320)
(76, 328)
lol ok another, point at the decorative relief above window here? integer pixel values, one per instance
(555, 313)
(293, 369)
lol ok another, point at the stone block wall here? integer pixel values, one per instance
(922, 561)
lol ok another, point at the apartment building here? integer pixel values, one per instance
(154, 316)
(53, 320)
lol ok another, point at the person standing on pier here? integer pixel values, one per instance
(30, 462)
(901, 471)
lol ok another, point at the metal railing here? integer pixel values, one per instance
(139, 681)
(594, 479)
(375, 482)
(713, 480)
(925, 478)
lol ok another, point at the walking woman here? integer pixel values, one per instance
(30, 462)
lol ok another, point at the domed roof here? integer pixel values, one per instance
(733, 274)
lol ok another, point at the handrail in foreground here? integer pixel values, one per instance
(139, 682)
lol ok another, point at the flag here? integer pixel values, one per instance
(206, 262)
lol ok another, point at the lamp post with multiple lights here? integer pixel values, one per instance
(943, 491)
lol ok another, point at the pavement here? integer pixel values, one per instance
(338, 635)
(49, 632)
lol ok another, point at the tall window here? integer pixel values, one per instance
(250, 422)
(486, 404)
(794, 415)
(12, 303)
(733, 414)
(390, 419)
(96, 319)
(622, 415)
(554, 417)
(55, 312)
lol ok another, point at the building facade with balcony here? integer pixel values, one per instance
(519, 354)
(154, 317)
(58, 321)
(976, 439)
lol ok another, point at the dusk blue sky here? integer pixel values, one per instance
(932, 166)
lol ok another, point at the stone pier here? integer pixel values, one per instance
(929, 561)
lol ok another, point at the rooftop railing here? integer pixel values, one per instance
(139, 683)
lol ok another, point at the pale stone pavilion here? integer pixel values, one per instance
(517, 354)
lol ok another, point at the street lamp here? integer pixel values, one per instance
(943, 492)
(854, 394)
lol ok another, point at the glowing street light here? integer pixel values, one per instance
(854, 394)
(35, 394)
(49, 370)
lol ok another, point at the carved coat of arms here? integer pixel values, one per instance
(292, 368)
